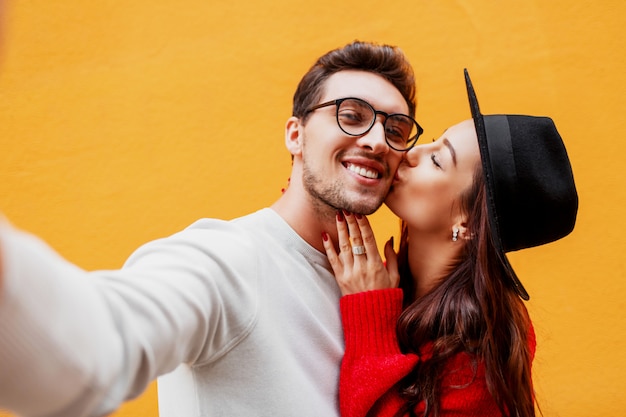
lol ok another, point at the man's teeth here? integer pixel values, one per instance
(364, 172)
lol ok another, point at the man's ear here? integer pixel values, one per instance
(293, 136)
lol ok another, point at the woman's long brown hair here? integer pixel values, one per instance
(472, 309)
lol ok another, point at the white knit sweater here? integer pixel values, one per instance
(244, 312)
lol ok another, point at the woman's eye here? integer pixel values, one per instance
(433, 158)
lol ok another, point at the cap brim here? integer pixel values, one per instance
(476, 115)
(517, 284)
(481, 133)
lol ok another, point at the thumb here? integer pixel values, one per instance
(392, 263)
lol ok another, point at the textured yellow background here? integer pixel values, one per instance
(123, 121)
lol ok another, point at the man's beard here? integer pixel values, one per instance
(330, 197)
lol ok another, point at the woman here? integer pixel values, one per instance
(455, 339)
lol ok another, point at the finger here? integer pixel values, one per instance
(359, 259)
(392, 263)
(367, 238)
(353, 229)
(343, 237)
(331, 254)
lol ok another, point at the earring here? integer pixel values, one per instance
(455, 234)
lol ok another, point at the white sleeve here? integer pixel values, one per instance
(74, 343)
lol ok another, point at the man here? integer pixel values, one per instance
(244, 312)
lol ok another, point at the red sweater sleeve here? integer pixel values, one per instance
(372, 363)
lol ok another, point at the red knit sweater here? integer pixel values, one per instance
(373, 364)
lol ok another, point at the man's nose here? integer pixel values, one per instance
(374, 139)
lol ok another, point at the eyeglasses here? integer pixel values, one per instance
(356, 117)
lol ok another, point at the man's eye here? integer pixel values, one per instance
(395, 135)
(351, 117)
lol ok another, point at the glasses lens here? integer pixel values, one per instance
(355, 116)
(401, 131)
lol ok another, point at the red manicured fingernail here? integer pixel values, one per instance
(339, 216)
(346, 213)
(357, 215)
(325, 236)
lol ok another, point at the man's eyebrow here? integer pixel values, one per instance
(451, 149)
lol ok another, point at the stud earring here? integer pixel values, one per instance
(455, 234)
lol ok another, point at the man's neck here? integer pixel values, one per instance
(308, 219)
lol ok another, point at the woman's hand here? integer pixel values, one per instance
(358, 266)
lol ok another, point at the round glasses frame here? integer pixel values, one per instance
(410, 142)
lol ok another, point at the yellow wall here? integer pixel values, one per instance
(123, 121)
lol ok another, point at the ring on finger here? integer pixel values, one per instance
(358, 250)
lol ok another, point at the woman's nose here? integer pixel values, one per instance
(412, 155)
